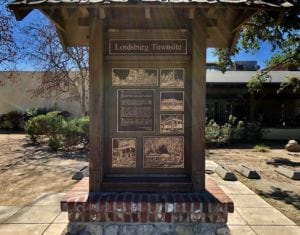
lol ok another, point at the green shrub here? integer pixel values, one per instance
(76, 132)
(49, 125)
(262, 148)
(33, 112)
(217, 134)
(232, 131)
(12, 121)
(53, 128)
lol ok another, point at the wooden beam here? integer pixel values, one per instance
(83, 11)
(21, 14)
(198, 94)
(245, 16)
(55, 18)
(96, 101)
(211, 12)
(102, 13)
(191, 13)
(62, 39)
(147, 13)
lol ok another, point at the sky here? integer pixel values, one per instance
(261, 56)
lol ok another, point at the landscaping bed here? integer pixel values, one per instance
(26, 170)
(29, 170)
(278, 190)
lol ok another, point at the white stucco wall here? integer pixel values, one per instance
(15, 95)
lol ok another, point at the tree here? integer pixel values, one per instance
(281, 30)
(65, 72)
(8, 46)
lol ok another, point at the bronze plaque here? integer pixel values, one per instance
(134, 77)
(171, 101)
(171, 123)
(135, 110)
(148, 47)
(164, 152)
(172, 78)
(123, 152)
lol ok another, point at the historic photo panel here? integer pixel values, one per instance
(171, 101)
(171, 123)
(164, 152)
(123, 152)
(172, 78)
(134, 77)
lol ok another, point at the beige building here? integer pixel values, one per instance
(15, 95)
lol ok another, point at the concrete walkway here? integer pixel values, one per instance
(252, 214)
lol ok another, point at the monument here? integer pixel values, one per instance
(147, 106)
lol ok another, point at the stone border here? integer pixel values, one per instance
(225, 173)
(294, 175)
(146, 229)
(247, 172)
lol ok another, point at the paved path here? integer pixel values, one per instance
(252, 214)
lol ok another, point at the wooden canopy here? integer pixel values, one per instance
(223, 18)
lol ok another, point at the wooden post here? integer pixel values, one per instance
(96, 101)
(198, 90)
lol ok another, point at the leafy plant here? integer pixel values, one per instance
(54, 129)
(11, 121)
(232, 131)
(262, 148)
(76, 132)
(217, 134)
(49, 125)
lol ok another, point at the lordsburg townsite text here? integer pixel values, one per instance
(176, 46)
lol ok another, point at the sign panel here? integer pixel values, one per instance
(171, 123)
(148, 47)
(135, 110)
(171, 101)
(123, 152)
(134, 77)
(172, 78)
(164, 152)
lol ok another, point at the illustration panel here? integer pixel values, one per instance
(172, 78)
(171, 101)
(134, 77)
(171, 123)
(136, 110)
(164, 152)
(123, 152)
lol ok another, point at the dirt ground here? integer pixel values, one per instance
(279, 191)
(26, 171)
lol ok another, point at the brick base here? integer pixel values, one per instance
(210, 206)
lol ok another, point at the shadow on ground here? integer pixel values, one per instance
(280, 161)
(279, 194)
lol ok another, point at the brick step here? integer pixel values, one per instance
(210, 206)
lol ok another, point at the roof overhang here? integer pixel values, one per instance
(223, 18)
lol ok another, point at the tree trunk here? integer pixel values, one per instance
(83, 98)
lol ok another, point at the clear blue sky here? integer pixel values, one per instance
(260, 56)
